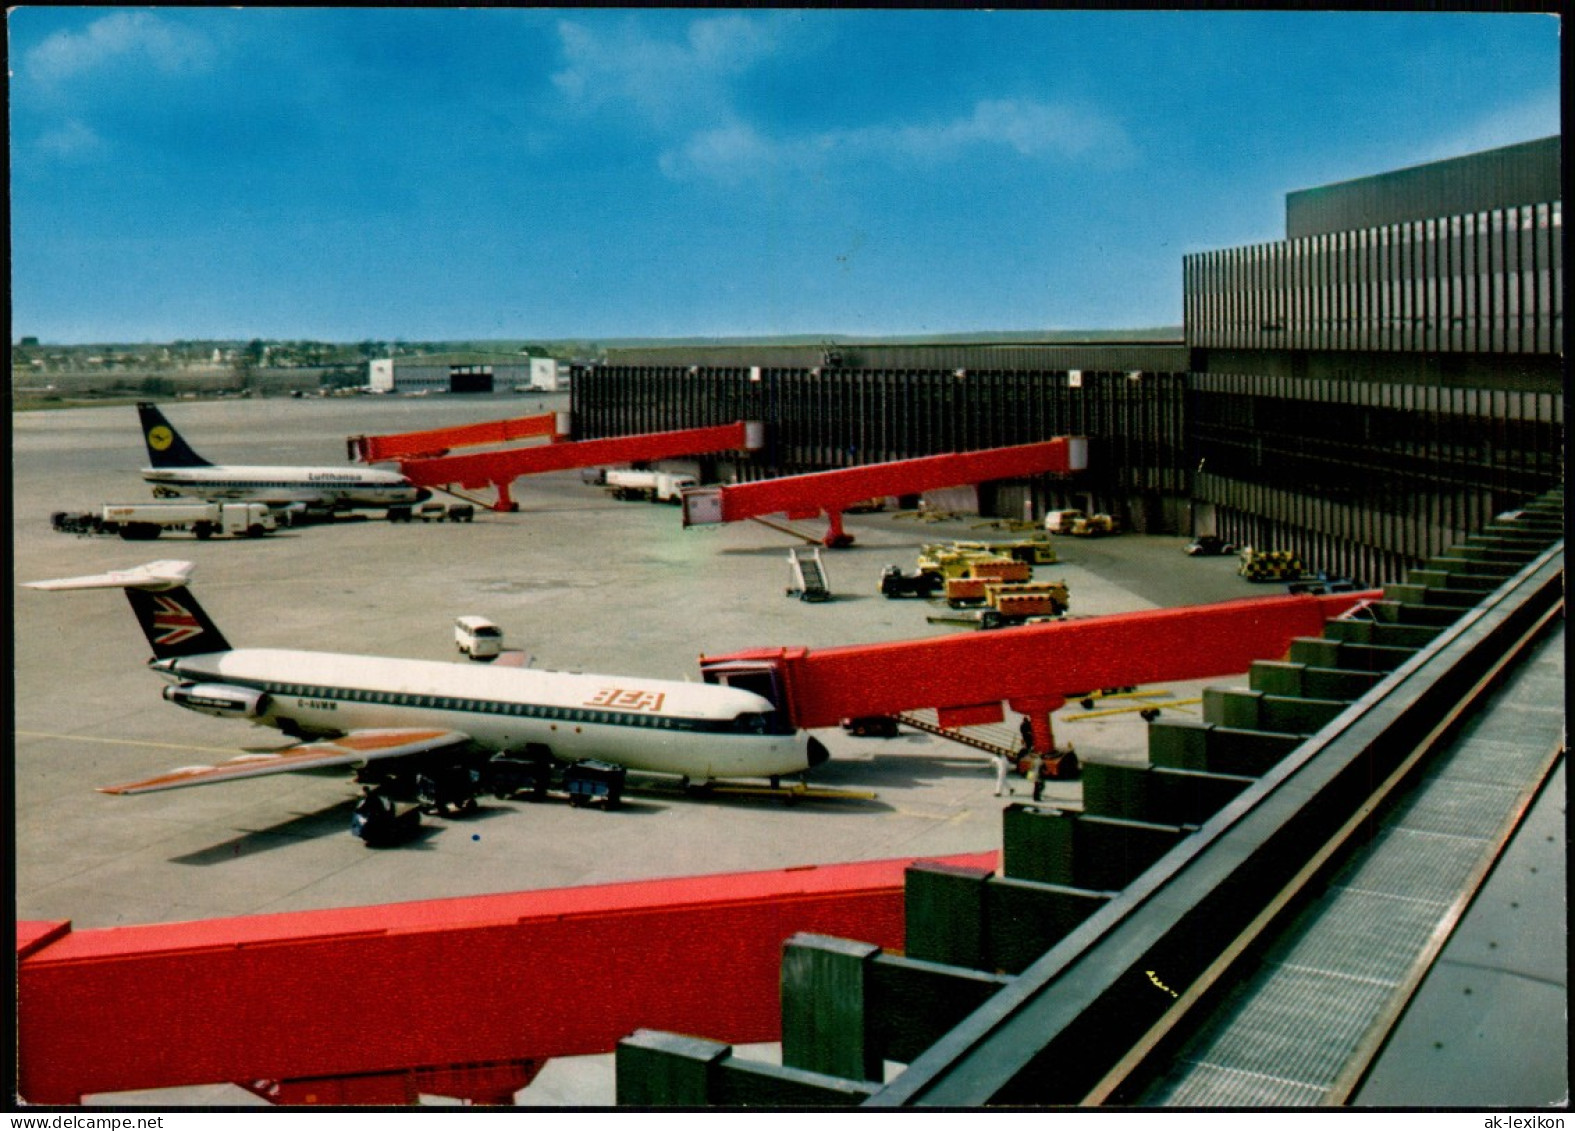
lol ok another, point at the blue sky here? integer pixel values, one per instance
(593, 173)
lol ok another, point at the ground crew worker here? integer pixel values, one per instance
(1001, 765)
(1036, 775)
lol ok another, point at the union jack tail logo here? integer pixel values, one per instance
(173, 623)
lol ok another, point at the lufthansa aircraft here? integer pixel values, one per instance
(178, 470)
(398, 721)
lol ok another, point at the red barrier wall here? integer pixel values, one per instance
(444, 982)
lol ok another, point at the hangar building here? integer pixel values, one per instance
(463, 373)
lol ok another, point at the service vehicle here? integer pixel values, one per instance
(962, 591)
(141, 522)
(1042, 598)
(477, 637)
(1208, 546)
(593, 780)
(1000, 568)
(1080, 525)
(649, 486)
(947, 561)
(895, 583)
(1034, 551)
(1269, 565)
(1320, 583)
(433, 512)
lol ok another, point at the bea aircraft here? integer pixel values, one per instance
(178, 470)
(396, 721)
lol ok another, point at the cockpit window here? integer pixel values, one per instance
(755, 722)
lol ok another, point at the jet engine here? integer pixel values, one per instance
(223, 700)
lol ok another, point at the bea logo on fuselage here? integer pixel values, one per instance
(628, 700)
(160, 437)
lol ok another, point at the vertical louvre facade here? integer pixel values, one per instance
(1385, 383)
(1367, 479)
(1485, 282)
(828, 418)
(1361, 478)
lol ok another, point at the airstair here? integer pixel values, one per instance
(809, 576)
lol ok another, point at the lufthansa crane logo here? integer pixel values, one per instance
(160, 437)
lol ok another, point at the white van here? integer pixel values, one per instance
(477, 637)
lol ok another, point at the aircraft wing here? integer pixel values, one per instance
(354, 749)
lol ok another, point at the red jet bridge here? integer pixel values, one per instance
(440, 441)
(832, 492)
(1034, 669)
(499, 469)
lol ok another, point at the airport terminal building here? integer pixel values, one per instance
(1364, 392)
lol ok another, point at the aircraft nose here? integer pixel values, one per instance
(422, 494)
(818, 754)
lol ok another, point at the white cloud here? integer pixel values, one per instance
(1031, 130)
(658, 78)
(136, 36)
(72, 141)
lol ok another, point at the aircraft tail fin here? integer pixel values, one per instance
(166, 448)
(172, 620)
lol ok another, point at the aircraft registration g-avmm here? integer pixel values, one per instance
(178, 470)
(439, 731)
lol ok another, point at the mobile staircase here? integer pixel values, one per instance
(809, 576)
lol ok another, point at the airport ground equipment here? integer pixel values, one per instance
(974, 559)
(1035, 551)
(1269, 565)
(1033, 669)
(433, 512)
(809, 576)
(647, 485)
(477, 638)
(464, 997)
(1208, 546)
(833, 492)
(1242, 921)
(1080, 525)
(435, 442)
(590, 782)
(499, 469)
(920, 583)
(138, 522)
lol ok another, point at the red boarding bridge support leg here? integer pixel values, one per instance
(505, 503)
(1057, 764)
(836, 537)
